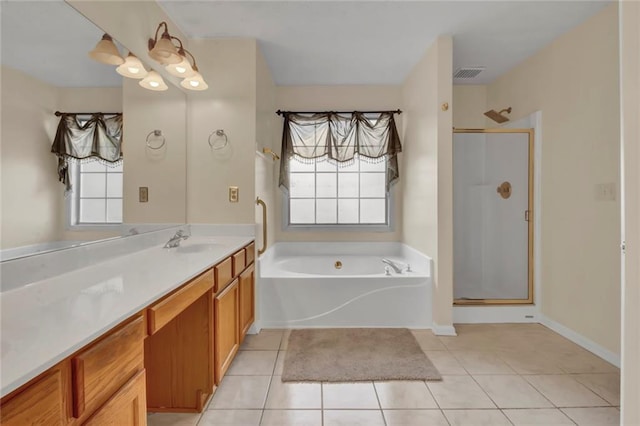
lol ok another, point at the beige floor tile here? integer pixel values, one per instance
(606, 385)
(284, 344)
(428, 341)
(459, 392)
(241, 392)
(293, 395)
(172, 419)
(353, 418)
(512, 392)
(404, 395)
(530, 362)
(479, 362)
(263, 341)
(230, 418)
(583, 361)
(446, 363)
(476, 417)
(253, 363)
(594, 416)
(564, 391)
(415, 418)
(534, 417)
(349, 396)
(279, 363)
(292, 418)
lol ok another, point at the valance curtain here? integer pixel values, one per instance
(340, 137)
(99, 137)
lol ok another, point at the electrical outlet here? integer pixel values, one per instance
(233, 194)
(143, 194)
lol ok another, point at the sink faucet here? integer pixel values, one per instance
(397, 268)
(175, 240)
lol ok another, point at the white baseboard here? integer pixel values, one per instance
(473, 314)
(254, 328)
(443, 330)
(579, 339)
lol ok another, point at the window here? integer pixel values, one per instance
(96, 197)
(323, 193)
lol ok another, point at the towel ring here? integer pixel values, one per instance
(156, 133)
(220, 141)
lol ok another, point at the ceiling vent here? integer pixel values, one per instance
(467, 72)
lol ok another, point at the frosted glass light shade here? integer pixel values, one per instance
(106, 52)
(195, 82)
(153, 81)
(182, 69)
(164, 51)
(132, 67)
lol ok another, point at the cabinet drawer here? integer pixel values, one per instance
(251, 253)
(104, 367)
(39, 404)
(126, 408)
(167, 309)
(223, 274)
(238, 262)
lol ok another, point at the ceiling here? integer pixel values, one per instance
(305, 42)
(379, 42)
(50, 40)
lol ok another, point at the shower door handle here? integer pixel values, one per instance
(527, 215)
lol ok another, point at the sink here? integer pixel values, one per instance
(197, 248)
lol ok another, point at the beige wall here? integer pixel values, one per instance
(163, 171)
(576, 88)
(338, 98)
(630, 90)
(266, 119)
(32, 197)
(229, 66)
(469, 105)
(427, 164)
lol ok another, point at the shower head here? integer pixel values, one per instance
(497, 116)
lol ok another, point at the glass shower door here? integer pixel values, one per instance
(492, 201)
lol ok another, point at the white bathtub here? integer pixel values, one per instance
(299, 286)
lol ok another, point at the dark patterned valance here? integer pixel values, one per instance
(98, 137)
(340, 137)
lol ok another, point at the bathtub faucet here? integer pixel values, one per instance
(175, 240)
(394, 265)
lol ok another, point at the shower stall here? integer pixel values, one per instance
(492, 216)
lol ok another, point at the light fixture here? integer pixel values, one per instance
(195, 82)
(153, 81)
(182, 69)
(132, 67)
(163, 50)
(106, 52)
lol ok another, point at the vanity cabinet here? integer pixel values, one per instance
(91, 384)
(126, 408)
(247, 300)
(169, 357)
(227, 328)
(41, 403)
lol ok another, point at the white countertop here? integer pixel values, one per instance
(44, 322)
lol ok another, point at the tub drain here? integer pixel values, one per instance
(338, 264)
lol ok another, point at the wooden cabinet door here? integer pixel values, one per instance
(39, 404)
(227, 328)
(126, 408)
(247, 300)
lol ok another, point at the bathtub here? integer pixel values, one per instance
(301, 285)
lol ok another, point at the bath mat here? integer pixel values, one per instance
(355, 355)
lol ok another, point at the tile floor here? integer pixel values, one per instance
(493, 374)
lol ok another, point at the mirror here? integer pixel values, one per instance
(46, 68)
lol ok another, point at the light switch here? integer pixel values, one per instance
(233, 194)
(143, 194)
